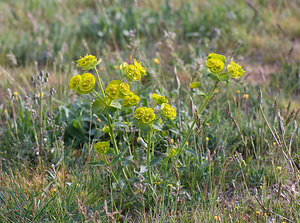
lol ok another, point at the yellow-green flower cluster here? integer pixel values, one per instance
(83, 84)
(112, 89)
(133, 71)
(144, 115)
(159, 99)
(168, 112)
(130, 100)
(215, 62)
(88, 62)
(101, 147)
(235, 70)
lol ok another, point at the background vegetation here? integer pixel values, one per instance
(240, 174)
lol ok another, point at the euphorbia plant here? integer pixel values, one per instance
(215, 64)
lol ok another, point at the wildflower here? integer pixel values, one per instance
(194, 84)
(215, 62)
(39, 95)
(159, 99)
(74, 82)
(116, 67)
(246, 96)
(207, 124)
(156, 61)
(172, 141)
(140, 68)
(158, 183)
(258, 213)
(139, 113)
(168, 112)
(235, 70)
(265, 214)
(99, 120)
(206, 139)
(172, 152)
(216, 218)
(54, 189)
(217, 91)
(187, 143)
(215, 151)
(124, 89)
(279, 168)
(149, 116)
(86, 84)
(130, 100)
(88, 62)
(106, 129)
(5, 111)
(15, 93)
(112, 89)
(101, 147)
(170, 185)
(238, 92)
(260, 186)
(133, 71)
(274, 143)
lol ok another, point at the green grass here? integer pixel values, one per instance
(232, 176)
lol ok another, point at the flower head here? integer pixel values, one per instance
(130, 100)
(156, 61)
(149, 116)
(131, 71)
(86, 84)
(112, 89)
(168, 112)
(101, 147)
(215, 62)
(124, 89)
(88, 62)
(140, 68)
(139, 113)
(159, 99)
(74, 82)
(246, 96)
(235, 70)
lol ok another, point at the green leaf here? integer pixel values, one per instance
(194, 84)
(156, 160)
(97, 163)
(116, 104)
(99, 107)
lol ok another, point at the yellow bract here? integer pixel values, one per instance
(139, 113)
(124, 89)
(130, 100)
(74, 81)
(88, 62)
(101, 147)
(86, 84)
(112, 89)
(133, 71)
(149, 116)
(215, 62)
(159, 99)
(235, 70)
(168, 112)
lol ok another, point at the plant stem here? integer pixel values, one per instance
(148, 156)
(100, 84)
(41, 127)
(194, 122)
